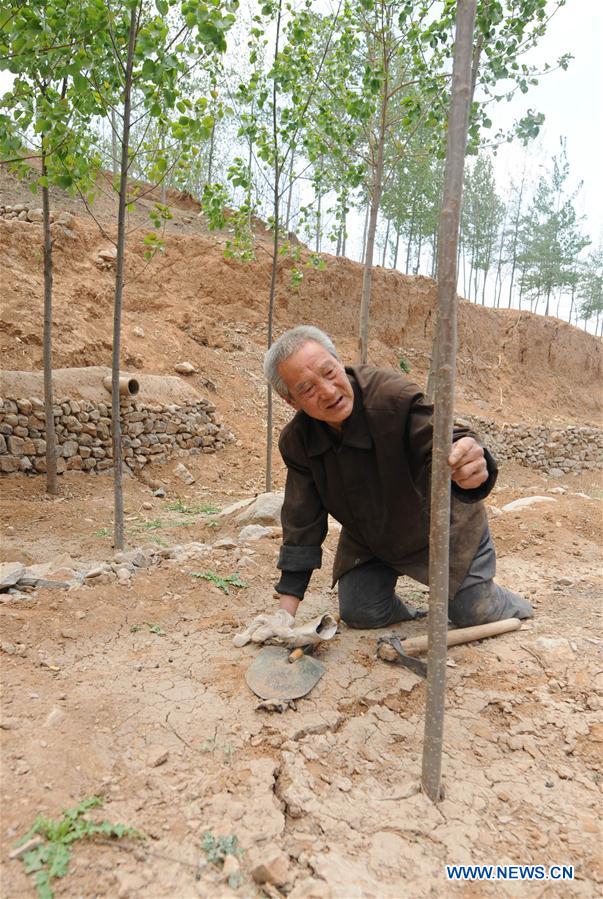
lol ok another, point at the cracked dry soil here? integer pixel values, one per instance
(165, 729)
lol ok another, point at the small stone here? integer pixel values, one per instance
(158, 758)
(107, 254)
(225, 543)
(160, 492)
(96, 571)
(253, 532)
(137, 332)
(185, 368)
(68, 634)
(80, 615)
(147, 506)
(275, 869)
(182, 472)
(123, 574)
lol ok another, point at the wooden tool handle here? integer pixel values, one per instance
(466, 634)
(296, 654)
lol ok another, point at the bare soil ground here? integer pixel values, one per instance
(134, 691)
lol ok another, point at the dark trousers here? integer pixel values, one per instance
(367, 596)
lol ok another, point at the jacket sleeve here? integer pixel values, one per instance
(304, 521)
(419, 442)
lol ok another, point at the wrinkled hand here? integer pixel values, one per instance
(468, 464)
(280, 624)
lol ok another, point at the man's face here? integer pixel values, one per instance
(318, 384)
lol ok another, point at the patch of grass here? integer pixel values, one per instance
(180, 506)
(50, 859)
(154, 524)
(223, 583)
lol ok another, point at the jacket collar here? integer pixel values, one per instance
(355, 430)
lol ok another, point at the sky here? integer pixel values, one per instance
(572, 102)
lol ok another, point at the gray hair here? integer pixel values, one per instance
(288, 344)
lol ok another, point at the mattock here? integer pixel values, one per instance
(390, 649)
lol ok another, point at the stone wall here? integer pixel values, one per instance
(555, 451)
(150, 432)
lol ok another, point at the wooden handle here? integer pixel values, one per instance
(296, 654)
(466, 634)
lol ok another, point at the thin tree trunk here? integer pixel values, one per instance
(210, 159)
(318, 221)
(51, 449)
(411, 235)
(548, 299)
(395, 265)
(339, 241)
(366, 218)
(119, 285)
(290, 191)
(367, 274)
(516, 237)
(114, 154)
(275, 243)
(419, 248)
(439, 572)
(572, 304)
(343, 233)
(389, 221)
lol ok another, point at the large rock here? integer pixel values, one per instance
(10, 572)
(265, 509)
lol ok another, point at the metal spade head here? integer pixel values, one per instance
(272, 676)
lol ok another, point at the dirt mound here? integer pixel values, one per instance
(191, 302)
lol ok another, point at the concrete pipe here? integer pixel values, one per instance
(127, 386)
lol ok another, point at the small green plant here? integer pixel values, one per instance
(404, 365)
(153, 525)
(217, 848)
(179, 506)
(50, 859)
(223, 583)
(153, 629)
(103, 532)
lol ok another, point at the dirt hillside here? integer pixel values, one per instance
(127, 685)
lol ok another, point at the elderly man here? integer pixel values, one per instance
(359, 448)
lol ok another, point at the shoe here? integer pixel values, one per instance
(487, 602)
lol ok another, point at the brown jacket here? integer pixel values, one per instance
(375, 482)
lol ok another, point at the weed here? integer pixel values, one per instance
(179, 506)
(404, 365)
(217, 848)
(50, 859)
(222, 582)
(153, 525)
(103, 532)
(153, 629)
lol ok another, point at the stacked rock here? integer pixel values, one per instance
(150, 432)
(555, 451)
